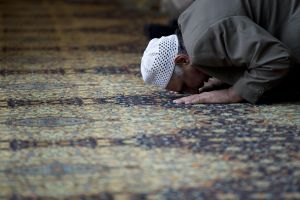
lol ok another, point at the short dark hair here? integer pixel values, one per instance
(181, 49)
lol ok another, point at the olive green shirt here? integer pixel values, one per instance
(249, 44)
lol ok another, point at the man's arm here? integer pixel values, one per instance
(239, 42)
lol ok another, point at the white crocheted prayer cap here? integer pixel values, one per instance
(158, 64)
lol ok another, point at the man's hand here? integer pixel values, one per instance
(218, 96)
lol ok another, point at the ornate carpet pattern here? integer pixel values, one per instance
(77, 122)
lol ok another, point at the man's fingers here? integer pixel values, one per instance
(206, 87)
(179, 101)
(189, 100)
(201, 89)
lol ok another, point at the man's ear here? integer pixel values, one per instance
(182, 59)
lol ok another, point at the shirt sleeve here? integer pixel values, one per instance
(239, 42)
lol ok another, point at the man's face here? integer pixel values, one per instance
(188, 82)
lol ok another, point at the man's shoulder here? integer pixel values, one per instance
(204, 13)
(210, 10)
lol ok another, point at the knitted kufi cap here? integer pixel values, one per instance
(158, 64)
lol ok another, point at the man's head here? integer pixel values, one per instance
(165, 64)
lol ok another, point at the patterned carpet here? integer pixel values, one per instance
(76, 121)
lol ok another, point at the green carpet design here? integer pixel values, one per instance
(77, 122)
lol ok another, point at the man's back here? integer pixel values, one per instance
(278, 17)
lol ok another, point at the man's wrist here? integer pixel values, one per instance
(233, 96)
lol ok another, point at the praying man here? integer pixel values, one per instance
(229, 51)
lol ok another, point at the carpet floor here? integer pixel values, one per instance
(77, 122)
